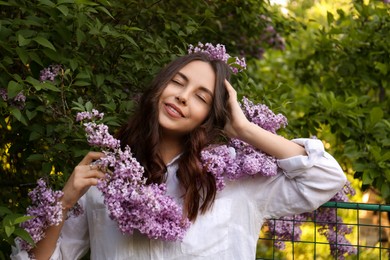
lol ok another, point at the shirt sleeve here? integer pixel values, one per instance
(73, 242)
(302, 184)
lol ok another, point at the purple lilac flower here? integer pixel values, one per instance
(46, 209)
(219, 160)
(218, 52)
(262, 116)
(3, 94)
(96, 115)
(238, 159)
(44, 200)
(333, 228)
(130, 202)
(271, 37)
(330, 225)
(286, 229)
(18, 101)
(50, 73)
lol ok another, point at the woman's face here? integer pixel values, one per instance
(187, 99)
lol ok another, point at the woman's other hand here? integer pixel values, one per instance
(84, 175)
(237, 122)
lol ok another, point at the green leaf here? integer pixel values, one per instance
(35, 157)
(63, 9)
(382, 67)
(23, 55)
(9, 230)
(13, 89)
(44, 42)
(47, 2)
(376, 114)
(89, 106)
(23, 234)
(22, 41)
(367, 178)
(34, 136)
(21, 219)
(30, 114)
(330, 18)
(101, 8)
(34, 56)
(4, 210)
(81, 83)
(50, 86)
(385, 189)
(99, 80)
(18, 115)
(80, 36)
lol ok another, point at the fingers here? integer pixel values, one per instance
(85, 175)
(232, 92)
(88, 171)
(91, 156)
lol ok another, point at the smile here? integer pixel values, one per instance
(173, 111)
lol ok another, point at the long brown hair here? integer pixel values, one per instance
(142, 134)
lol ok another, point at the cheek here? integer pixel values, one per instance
(202, 113)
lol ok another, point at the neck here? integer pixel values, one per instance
(170, 147)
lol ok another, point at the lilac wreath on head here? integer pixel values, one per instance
(218, 52)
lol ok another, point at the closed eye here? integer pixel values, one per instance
(202, 98)
(177, 82)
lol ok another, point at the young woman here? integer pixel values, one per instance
(190, 105)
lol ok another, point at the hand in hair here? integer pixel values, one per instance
(237, 121)
(238, 126)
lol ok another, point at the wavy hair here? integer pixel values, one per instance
(142, 134)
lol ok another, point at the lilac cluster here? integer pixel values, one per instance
(98, 135)
(238, 159)
(89, 115)
(46, 210)
(18, 101)
(50, 73)
(330, 225)
(218, 52)
(131, 203)
(220, 161)
(272, 38)
(333, 228)
(262, 116)
(286, 229)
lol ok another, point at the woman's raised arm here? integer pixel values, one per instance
(238, 126)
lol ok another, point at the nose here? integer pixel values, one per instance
(182, 96)
(181, 99)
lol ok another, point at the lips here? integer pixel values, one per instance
(173, 110)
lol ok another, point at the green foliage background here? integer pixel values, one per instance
(331, 81)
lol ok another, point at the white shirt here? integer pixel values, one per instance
(229, 230)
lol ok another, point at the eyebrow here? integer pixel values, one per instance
(208, 91)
